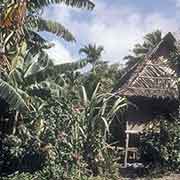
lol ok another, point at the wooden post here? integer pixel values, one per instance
(127, 145)
(15, 122)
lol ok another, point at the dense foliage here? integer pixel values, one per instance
(56, 128)
(55, 119)
(162, 150)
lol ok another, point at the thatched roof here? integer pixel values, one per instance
(154, 77)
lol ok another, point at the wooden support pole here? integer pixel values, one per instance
(126, 148)
(15, 122)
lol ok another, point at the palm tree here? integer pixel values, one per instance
(93, 53)
(140, 50)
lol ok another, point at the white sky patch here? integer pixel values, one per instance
(59, 53)
(119, 28)
(177, 3)
(115, 28)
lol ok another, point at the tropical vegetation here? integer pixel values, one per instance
(54, 119)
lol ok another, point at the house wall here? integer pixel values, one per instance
(141, 113)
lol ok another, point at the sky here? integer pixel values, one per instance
(117, 25)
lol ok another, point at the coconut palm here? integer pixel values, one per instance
(93, 53)
(140, 50)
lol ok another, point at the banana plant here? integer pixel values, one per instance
(20, 43)
(19, 23)
(20, 19)
(12, 97)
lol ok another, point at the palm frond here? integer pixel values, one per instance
(35, 40)
(38, 4)
(93, 52)
(85, 96)
(38, 73)
(152, 39)
(39, 24)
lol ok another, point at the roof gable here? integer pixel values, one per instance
(154, 77)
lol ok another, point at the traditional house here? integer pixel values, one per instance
(152, 91)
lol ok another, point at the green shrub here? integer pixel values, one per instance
(162, 149)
